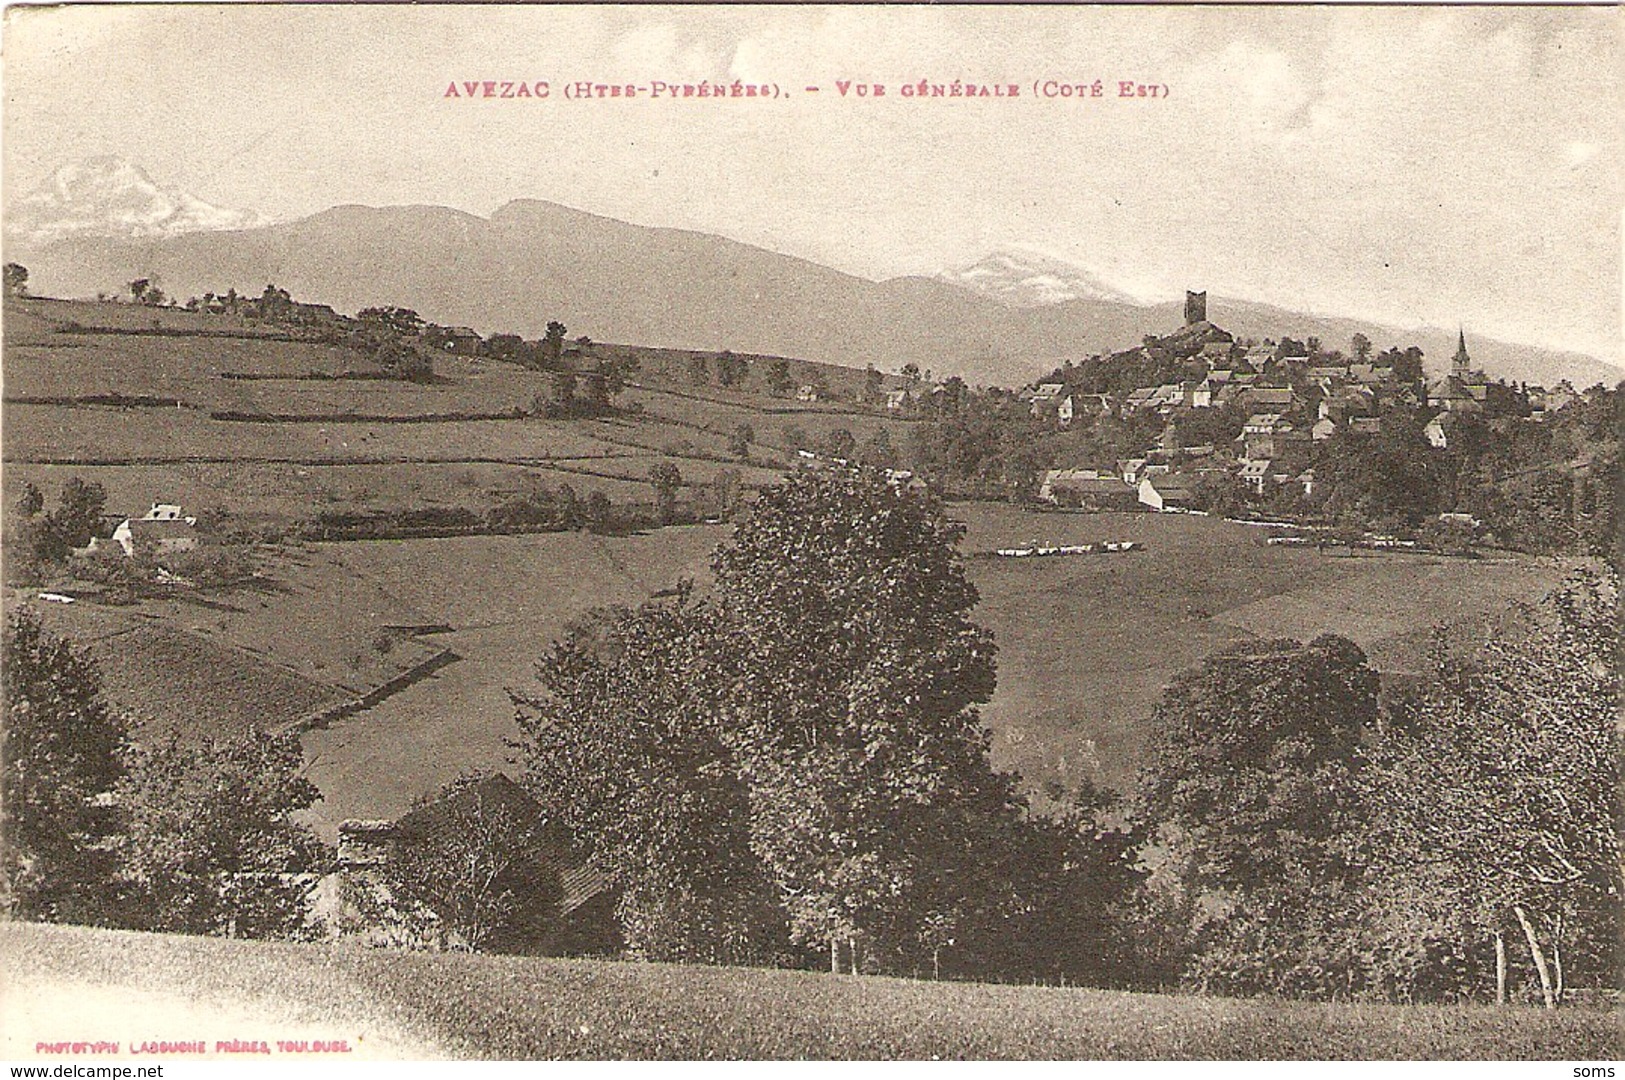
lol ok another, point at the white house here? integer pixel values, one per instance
(161, 528)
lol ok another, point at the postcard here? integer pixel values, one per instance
(870, 532)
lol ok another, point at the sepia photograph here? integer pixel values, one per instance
(808, 533)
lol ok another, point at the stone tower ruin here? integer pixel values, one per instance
(1195, 307)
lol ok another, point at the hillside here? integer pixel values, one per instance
(532, 261)
(1086, 645)
(68, 983)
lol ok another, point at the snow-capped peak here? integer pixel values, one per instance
(1032, 279)
(111, 197)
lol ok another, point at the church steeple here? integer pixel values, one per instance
(1462, 363)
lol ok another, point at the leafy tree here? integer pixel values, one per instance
(209, 845)
(1360, 346)
(16, 279)
(1503, 782)
(626, 747)
(596, 511)
(910, 371)
(840, 444)
(138, 289)
(1251, 797)
(877, 451)
(61, 754)
(595, 390)
(553, 345)
(863, 746)
(874, 385)
(394, 320)
(699, 370)
(729, 486)
(667, 482)
(739, 441)
(778, 377)
(30, 501)
(77, 518)
(509, 347)
(564, 393)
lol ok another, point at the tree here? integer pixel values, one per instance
(840, 444)
(667, 482)
(596, 511)
(1251, 801)
(1360, 346)
(509, 347)
(910, 371)
(877, 451)
(393, 320)
(30, 501)
(854, 703)
(739, 441)
(16, 279)
(778, 377)
(61, 754)
(553, 345)
(77, 518)
(731, 369)
(699, 370)
(1502, 780)
(138, 290)
(625, 746)
(564, 393)
(874, 385)
(729, 487)
(209, 844)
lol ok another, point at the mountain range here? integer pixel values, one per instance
(1005, 320)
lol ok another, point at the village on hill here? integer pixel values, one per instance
(1261, 414)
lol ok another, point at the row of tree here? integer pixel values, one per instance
(791, 769)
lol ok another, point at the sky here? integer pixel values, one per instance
(1411, 165)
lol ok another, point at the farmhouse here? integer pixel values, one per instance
(1086, 488)
(1167, 492)
(572, 908)
(160, 529)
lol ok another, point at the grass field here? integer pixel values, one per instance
(72, 983)
(506, 598)
(1087, 643)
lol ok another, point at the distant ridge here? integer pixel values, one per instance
(1003, 321)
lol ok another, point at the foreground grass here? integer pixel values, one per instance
(508, 1008)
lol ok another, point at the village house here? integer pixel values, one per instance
(571, 910)
(899, 400)
(1269, 398)
(808, 392)
(1130, 469)
(161, 529)
(459, 340)
(1254, 473)
(1264, 435)
(1086, 488)
(1169, 491)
